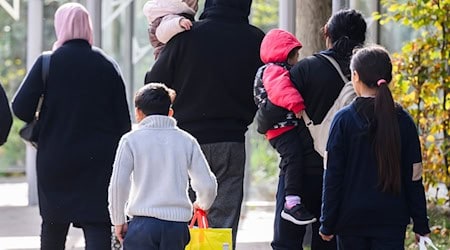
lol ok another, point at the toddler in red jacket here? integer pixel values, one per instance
(280, 106)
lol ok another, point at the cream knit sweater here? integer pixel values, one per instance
(151, 170)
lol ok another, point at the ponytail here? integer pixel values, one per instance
(346, 30)
(375, 71)
(344, 46)
(387, 140)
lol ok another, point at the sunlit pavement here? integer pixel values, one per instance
(20, 224)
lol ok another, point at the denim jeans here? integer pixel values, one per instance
(97, 235)
(152, 233)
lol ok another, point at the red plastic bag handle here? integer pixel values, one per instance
(200, 218)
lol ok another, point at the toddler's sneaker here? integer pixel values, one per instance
(298, 214)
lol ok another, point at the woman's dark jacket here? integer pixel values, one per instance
(319, 83)
(353, 203)
(5, 116)
(84, 115)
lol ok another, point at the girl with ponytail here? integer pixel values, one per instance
(373, 179)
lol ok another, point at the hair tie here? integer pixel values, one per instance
(380, 82)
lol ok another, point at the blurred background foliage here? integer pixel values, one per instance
(12, 71)
(422, 78)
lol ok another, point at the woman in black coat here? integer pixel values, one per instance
(84, 115)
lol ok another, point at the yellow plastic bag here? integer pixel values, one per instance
(204, 238)
(210, 239)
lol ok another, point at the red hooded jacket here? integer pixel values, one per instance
(275, 48)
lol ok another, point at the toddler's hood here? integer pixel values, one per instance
(276, 46)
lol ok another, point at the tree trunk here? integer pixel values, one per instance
(311, 15)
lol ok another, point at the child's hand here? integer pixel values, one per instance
(417, 237)
(185, 23)
(299, 114)
(120, 231)
(196, 206)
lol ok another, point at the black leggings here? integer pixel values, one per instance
(97, 235)
(289, 147)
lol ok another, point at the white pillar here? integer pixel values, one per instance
(95, 9)
(373, 28)
(34, 49)
(339, 4)
(287, 15)
(127, 51)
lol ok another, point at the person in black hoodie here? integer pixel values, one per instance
(5, 116)
(320, 83)
(212, 68)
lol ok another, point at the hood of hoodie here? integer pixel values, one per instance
(276, 46)
(234, 9)
(243, 6)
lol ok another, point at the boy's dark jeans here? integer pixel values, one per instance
(152, 233)
(289, 147)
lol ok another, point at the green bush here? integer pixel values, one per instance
(12, 153)
(421, 80)
(440, 231)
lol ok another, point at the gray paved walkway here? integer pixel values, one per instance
(20, 223)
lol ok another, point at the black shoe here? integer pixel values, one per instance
(298, 215)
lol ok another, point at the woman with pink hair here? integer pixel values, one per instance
(82, 118)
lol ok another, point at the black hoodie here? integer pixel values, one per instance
(5, 116)
(233, 8)
(212, 68)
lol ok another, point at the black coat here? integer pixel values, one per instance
(84, 115)
(212, 68)
(5, 116)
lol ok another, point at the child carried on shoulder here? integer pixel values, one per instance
(167, 18)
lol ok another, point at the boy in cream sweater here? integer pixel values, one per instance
(150, 177)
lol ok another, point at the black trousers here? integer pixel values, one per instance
(287, 235)
(289, 147)
(97, 235)
(372, 243)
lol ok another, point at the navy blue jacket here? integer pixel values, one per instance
(5, 117)
(352, 201)
(84, 115)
